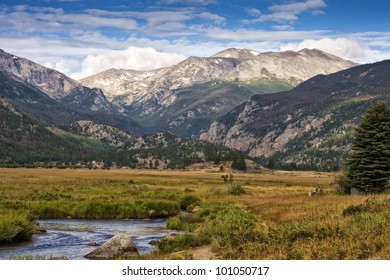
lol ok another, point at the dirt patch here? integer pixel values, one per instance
(203, 253)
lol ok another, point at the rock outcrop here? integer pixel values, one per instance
(116, 247)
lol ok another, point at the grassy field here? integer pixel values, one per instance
(273, 219)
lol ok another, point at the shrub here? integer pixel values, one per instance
(231, 227)
(183, 222)
(188, 201)
(16, 226)
(343, 184)
(235, 190)
(178, 243)
(158, 209)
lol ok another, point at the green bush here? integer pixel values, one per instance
(343, 185)
(175, 223)
(189, 201)
(235, 190)
(231, 227)
(158, 209)
(183, 222)
(16, 226)
(178, 243)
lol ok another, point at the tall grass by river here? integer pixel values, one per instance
(274, 219)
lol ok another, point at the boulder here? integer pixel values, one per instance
(117, 246)
(153, 242)
(196, 209)
(92, 244)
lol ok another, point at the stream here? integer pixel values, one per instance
(70, 237)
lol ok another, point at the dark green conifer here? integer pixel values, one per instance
(369, 164)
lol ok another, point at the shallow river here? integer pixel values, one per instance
(70, 237)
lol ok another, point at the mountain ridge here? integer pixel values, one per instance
(53, 98)
(310, 126)
(238, 73)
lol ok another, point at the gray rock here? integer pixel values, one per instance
(153, 242)
(117, 246)
(196, 209)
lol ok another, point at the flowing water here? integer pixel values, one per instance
(70, 237)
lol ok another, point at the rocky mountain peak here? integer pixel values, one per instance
(240, 54)
(53, 83)
(188, 95)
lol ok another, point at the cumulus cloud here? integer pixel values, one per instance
(131, 58)
(254, 12)
(299, 7)
(213, 17)
(260, 35)
(347, 48)
(289, 13)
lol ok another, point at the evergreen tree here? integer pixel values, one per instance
(369, 164)
(239, 164)
(271, 164)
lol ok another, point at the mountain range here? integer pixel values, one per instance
(54, 98)
(308, 127)
(186, 98)
(297, 108)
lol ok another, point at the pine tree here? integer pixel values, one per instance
(369, 164)
(239, 164)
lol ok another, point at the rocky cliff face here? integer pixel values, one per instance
(52, 98)
(187, 97)
(55, 84)
(310, 126)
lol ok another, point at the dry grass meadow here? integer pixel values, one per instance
(274, 219)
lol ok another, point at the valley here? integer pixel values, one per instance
(194, 111)
(273, 219)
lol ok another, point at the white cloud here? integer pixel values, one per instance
(288, 13)
(131, 58)
(283, 27)
(213, 17)
(260, 35)
(63, 65)
(254, 12)
(278, 17)
(299, 7)
(347, 48)
(190, 2)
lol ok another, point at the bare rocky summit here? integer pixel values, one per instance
(54, 84)
(229, 65)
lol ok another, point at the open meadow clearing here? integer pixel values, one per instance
(264, 215)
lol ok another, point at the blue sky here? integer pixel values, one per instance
(83, 37)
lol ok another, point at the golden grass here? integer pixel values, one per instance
(275, 196)
(278, 200)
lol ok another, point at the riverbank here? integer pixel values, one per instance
(73, 238)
